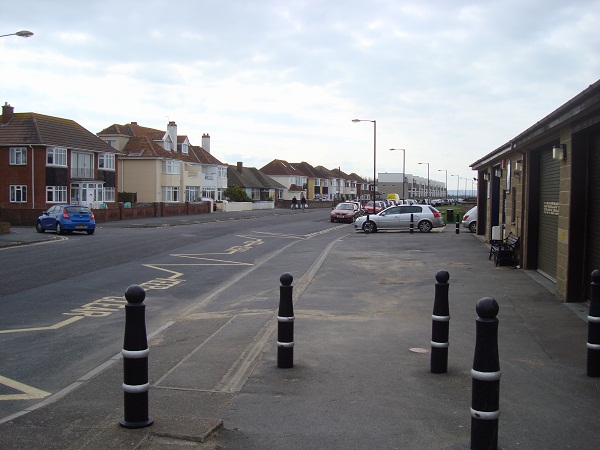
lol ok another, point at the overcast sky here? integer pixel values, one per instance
(449, 81)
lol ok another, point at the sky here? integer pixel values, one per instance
(448, 81)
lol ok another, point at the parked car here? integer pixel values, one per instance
(345, 212)
(470, 220)
(66, 219)
(425, 218)
(379, 206)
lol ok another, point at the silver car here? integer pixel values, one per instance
(470, 220)
(424, 218)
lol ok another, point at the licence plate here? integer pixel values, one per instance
(340, 216)
(80, 226)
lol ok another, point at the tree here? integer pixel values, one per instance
(236, 194)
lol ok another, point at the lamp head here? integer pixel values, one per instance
(24, 33)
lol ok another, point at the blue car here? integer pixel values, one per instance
(67, 218)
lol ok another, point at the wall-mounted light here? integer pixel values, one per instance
(559, 152)
(498, 173)
(486, 176)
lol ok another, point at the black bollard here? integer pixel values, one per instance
(412, 224)
(485, 402)
(135, 361)
(440, 326)
(457, 227)
(593, 344)
(285, 323)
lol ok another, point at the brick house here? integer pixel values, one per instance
(46, 160)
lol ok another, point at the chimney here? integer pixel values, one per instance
(240, 167)
(172, 130)
(7, 113)
(206, 142)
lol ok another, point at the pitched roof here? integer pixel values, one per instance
(146, 142)
(281, 167)
(328, 173)
(357, 178)
(309, 170)
(250, 177)
(203, 157)
(37, 129)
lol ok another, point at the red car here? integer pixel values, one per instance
(345, 212)
(379, 206)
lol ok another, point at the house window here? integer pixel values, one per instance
(56, 157)
(170, 193)
(109, 194)
(208, 192)
(171, 167)
(317, 182)
(18, 194)
(56, 194)
(183, 148)
(192, 193)
(82, 165)
(18, 156)
(222, 172)
(111, 142)
(106, 161)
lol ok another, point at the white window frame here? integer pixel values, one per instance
(18, 156)
(106, 161)
(192, 193)
(18, 193)
(170, 194)
(222, 171)
(56, 156)
(109, 194)
(171, 167)
(56, 194)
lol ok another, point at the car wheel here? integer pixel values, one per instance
(473, 227)
(59, 229)
(425, 226)
(90, 231)
(39, 228)
(369, 227)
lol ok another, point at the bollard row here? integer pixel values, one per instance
(285, 323)
(135, 361)
(485, 403)
(593, 343)
(440, 326)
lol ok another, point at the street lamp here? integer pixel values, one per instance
(444, 170)
(22, 33)
(457, 186)
(403, 168)
(428, 190)
(374, 156)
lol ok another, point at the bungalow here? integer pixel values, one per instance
(289, 176)
(258, 186)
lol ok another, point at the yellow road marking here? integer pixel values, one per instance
(56, 326)
(28, 392)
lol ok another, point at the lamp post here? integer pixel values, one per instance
(428, 190)
(465, 178)
(444, 170)
(403, 168)
(457, 187)
(374, 155)
(22, 33)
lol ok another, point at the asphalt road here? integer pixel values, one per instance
(61, 303)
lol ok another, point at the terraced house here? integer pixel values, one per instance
(161, 166)
(46, 160)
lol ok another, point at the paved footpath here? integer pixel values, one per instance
(361, 377)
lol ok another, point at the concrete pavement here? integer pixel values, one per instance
(361, 363)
